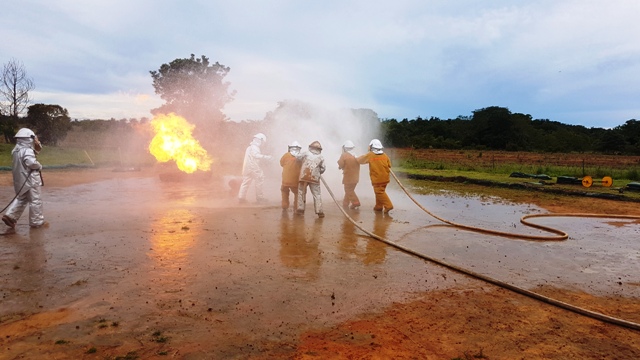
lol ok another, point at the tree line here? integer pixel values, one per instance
(195, 88)
(497, 128)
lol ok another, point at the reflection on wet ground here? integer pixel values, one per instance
(186, 259)
(600, 256)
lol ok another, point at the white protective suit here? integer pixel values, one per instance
(252, 172)
(26, 170)
(312, 167)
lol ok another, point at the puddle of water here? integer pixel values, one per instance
(599, 257)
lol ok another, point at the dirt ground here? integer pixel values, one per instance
(134, 267)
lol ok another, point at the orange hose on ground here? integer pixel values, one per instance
(519, 290)
(561, 235)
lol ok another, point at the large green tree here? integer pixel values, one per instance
(194, 89)
(630, 131)
(50, 122)
(491, 127)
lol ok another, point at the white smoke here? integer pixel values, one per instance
(305, 123)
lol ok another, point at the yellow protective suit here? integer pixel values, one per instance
(290, 175)
(379, 170)
(350, 167)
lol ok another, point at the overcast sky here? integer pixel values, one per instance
(573, 61)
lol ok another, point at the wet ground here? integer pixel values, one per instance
(135, 265)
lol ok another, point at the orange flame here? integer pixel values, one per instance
(173, 141)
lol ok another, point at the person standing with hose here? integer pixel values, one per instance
(252, 171)
(290, 174)
(350, 167)
(27, 181)
(379, 169)
(310, 172)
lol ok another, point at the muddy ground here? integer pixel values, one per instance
(135, 267)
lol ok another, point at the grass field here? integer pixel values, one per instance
(62, 156)
(452, 167)
(499, 163)
(494, 166)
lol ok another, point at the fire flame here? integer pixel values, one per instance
(173, 141)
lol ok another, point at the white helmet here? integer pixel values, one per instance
(375, 144)
(295, 144)
(25, 133)
(348, 145)
(294, 148)
(260, 136)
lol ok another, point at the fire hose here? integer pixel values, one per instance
(18, 192)
(561, 236)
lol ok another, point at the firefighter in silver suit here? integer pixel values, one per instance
(310, 172)
(27, 181)
(251, 169)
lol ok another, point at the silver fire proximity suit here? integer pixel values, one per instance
(312, 167)
(251, 170)
(26, 171)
